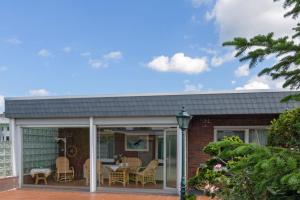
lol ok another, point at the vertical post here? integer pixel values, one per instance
(179, 159)
(165, 160)
(93, 160)
(183, 184)
(12, 129)
(19, 143)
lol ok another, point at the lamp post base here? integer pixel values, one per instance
(182, 189)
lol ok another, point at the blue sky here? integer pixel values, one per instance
(65, 47)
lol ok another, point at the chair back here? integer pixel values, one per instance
(151, 167)
(62, 164)
(99, 167)
(86, 167)
(133, 162)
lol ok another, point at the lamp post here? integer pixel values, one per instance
(183, 119)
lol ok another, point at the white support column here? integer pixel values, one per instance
(93, 159)
(19, 153)
(179, 158)
(12, 128)
(247, 136)
(165, 161)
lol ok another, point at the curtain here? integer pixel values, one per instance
(258, 136)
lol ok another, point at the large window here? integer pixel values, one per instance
(131, 153)
(256, 135)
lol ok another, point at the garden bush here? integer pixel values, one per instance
(248, 171)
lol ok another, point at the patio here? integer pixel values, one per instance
(34, 194)
(126, 157)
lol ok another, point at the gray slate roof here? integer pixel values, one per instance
(149, 105)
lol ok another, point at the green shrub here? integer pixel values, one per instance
(285, 131)
(249, 171)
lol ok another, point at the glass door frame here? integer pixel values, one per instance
(165, 187)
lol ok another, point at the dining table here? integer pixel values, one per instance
(118, 173)
(40, 174)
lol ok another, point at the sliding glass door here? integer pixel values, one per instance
(171, 158)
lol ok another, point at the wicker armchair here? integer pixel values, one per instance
(148, 174)
(134, 165)
(63, 170)
(86, 171)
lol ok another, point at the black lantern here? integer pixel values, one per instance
(183, 119)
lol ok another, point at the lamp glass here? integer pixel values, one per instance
(183, 119)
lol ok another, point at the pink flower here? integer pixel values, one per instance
(213, 189)
(207, 187)
(218, 167)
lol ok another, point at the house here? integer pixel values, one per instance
(103, 141)
(5, 147)
(4, 128)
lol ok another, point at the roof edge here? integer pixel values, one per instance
(148, 94)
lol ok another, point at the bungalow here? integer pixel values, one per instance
(129, 142)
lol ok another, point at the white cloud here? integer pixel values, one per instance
(3, 68)
(233, 82)
(39, 92)
(14, 41)
(235, 18)
(188, 86)
(179, 63)
(198, 3)
(96, 63)
(209, 51)
(85, 54)
(114, 55)
(104, 60)
(242, 71)
(220, 60)
(262, 82)
(44, 53)
(195, 19)
(67, 49)
(1, 103)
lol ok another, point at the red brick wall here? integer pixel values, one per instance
(201, 132)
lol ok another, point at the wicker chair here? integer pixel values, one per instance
(63, 170)
(134, 165)
(148, 174)
(86, 171)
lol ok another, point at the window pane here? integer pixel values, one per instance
(222, 133)
(106, 146)
(160, 146)
(258, 136)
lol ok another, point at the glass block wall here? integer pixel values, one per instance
(5, 159)
(40, 149)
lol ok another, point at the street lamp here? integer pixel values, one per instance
(183, 119)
